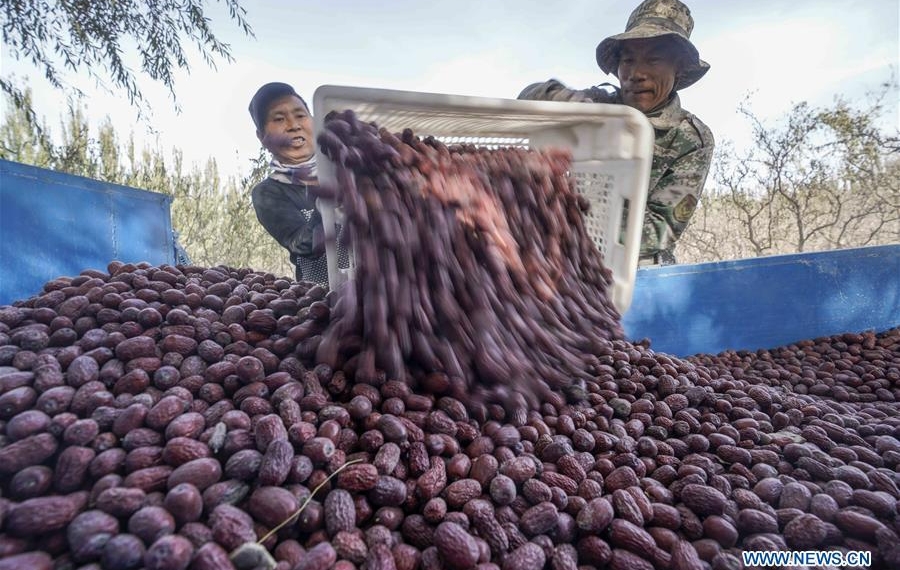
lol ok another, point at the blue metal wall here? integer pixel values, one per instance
(54, 224)
(765, 302)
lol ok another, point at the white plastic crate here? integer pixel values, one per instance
(612, 148)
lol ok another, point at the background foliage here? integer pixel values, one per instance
(56, 36)
(819, 179)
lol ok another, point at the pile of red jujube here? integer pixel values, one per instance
(215, 418)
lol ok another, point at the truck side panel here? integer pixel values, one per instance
(765, 302)
(54, 224)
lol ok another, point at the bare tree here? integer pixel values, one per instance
(821, 178)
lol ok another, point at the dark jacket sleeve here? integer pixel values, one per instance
(288, 214)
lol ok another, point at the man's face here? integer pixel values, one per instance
(647, 69)
(288, 131)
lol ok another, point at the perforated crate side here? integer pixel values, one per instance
(595, 186)
(611, 145)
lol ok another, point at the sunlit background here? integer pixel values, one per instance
(777, 52)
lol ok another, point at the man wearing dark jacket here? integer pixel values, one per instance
(283, 203)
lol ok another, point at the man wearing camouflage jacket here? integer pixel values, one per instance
(653, 59)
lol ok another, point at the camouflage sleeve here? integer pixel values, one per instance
(673, 199)
(553, 90)
(605, 93)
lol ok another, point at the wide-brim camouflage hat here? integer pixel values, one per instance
(653, 19)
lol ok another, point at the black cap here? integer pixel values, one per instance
(259, 105)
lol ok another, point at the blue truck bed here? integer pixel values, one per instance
(765, 302)
(54, 224)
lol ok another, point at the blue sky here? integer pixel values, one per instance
(779, 51)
